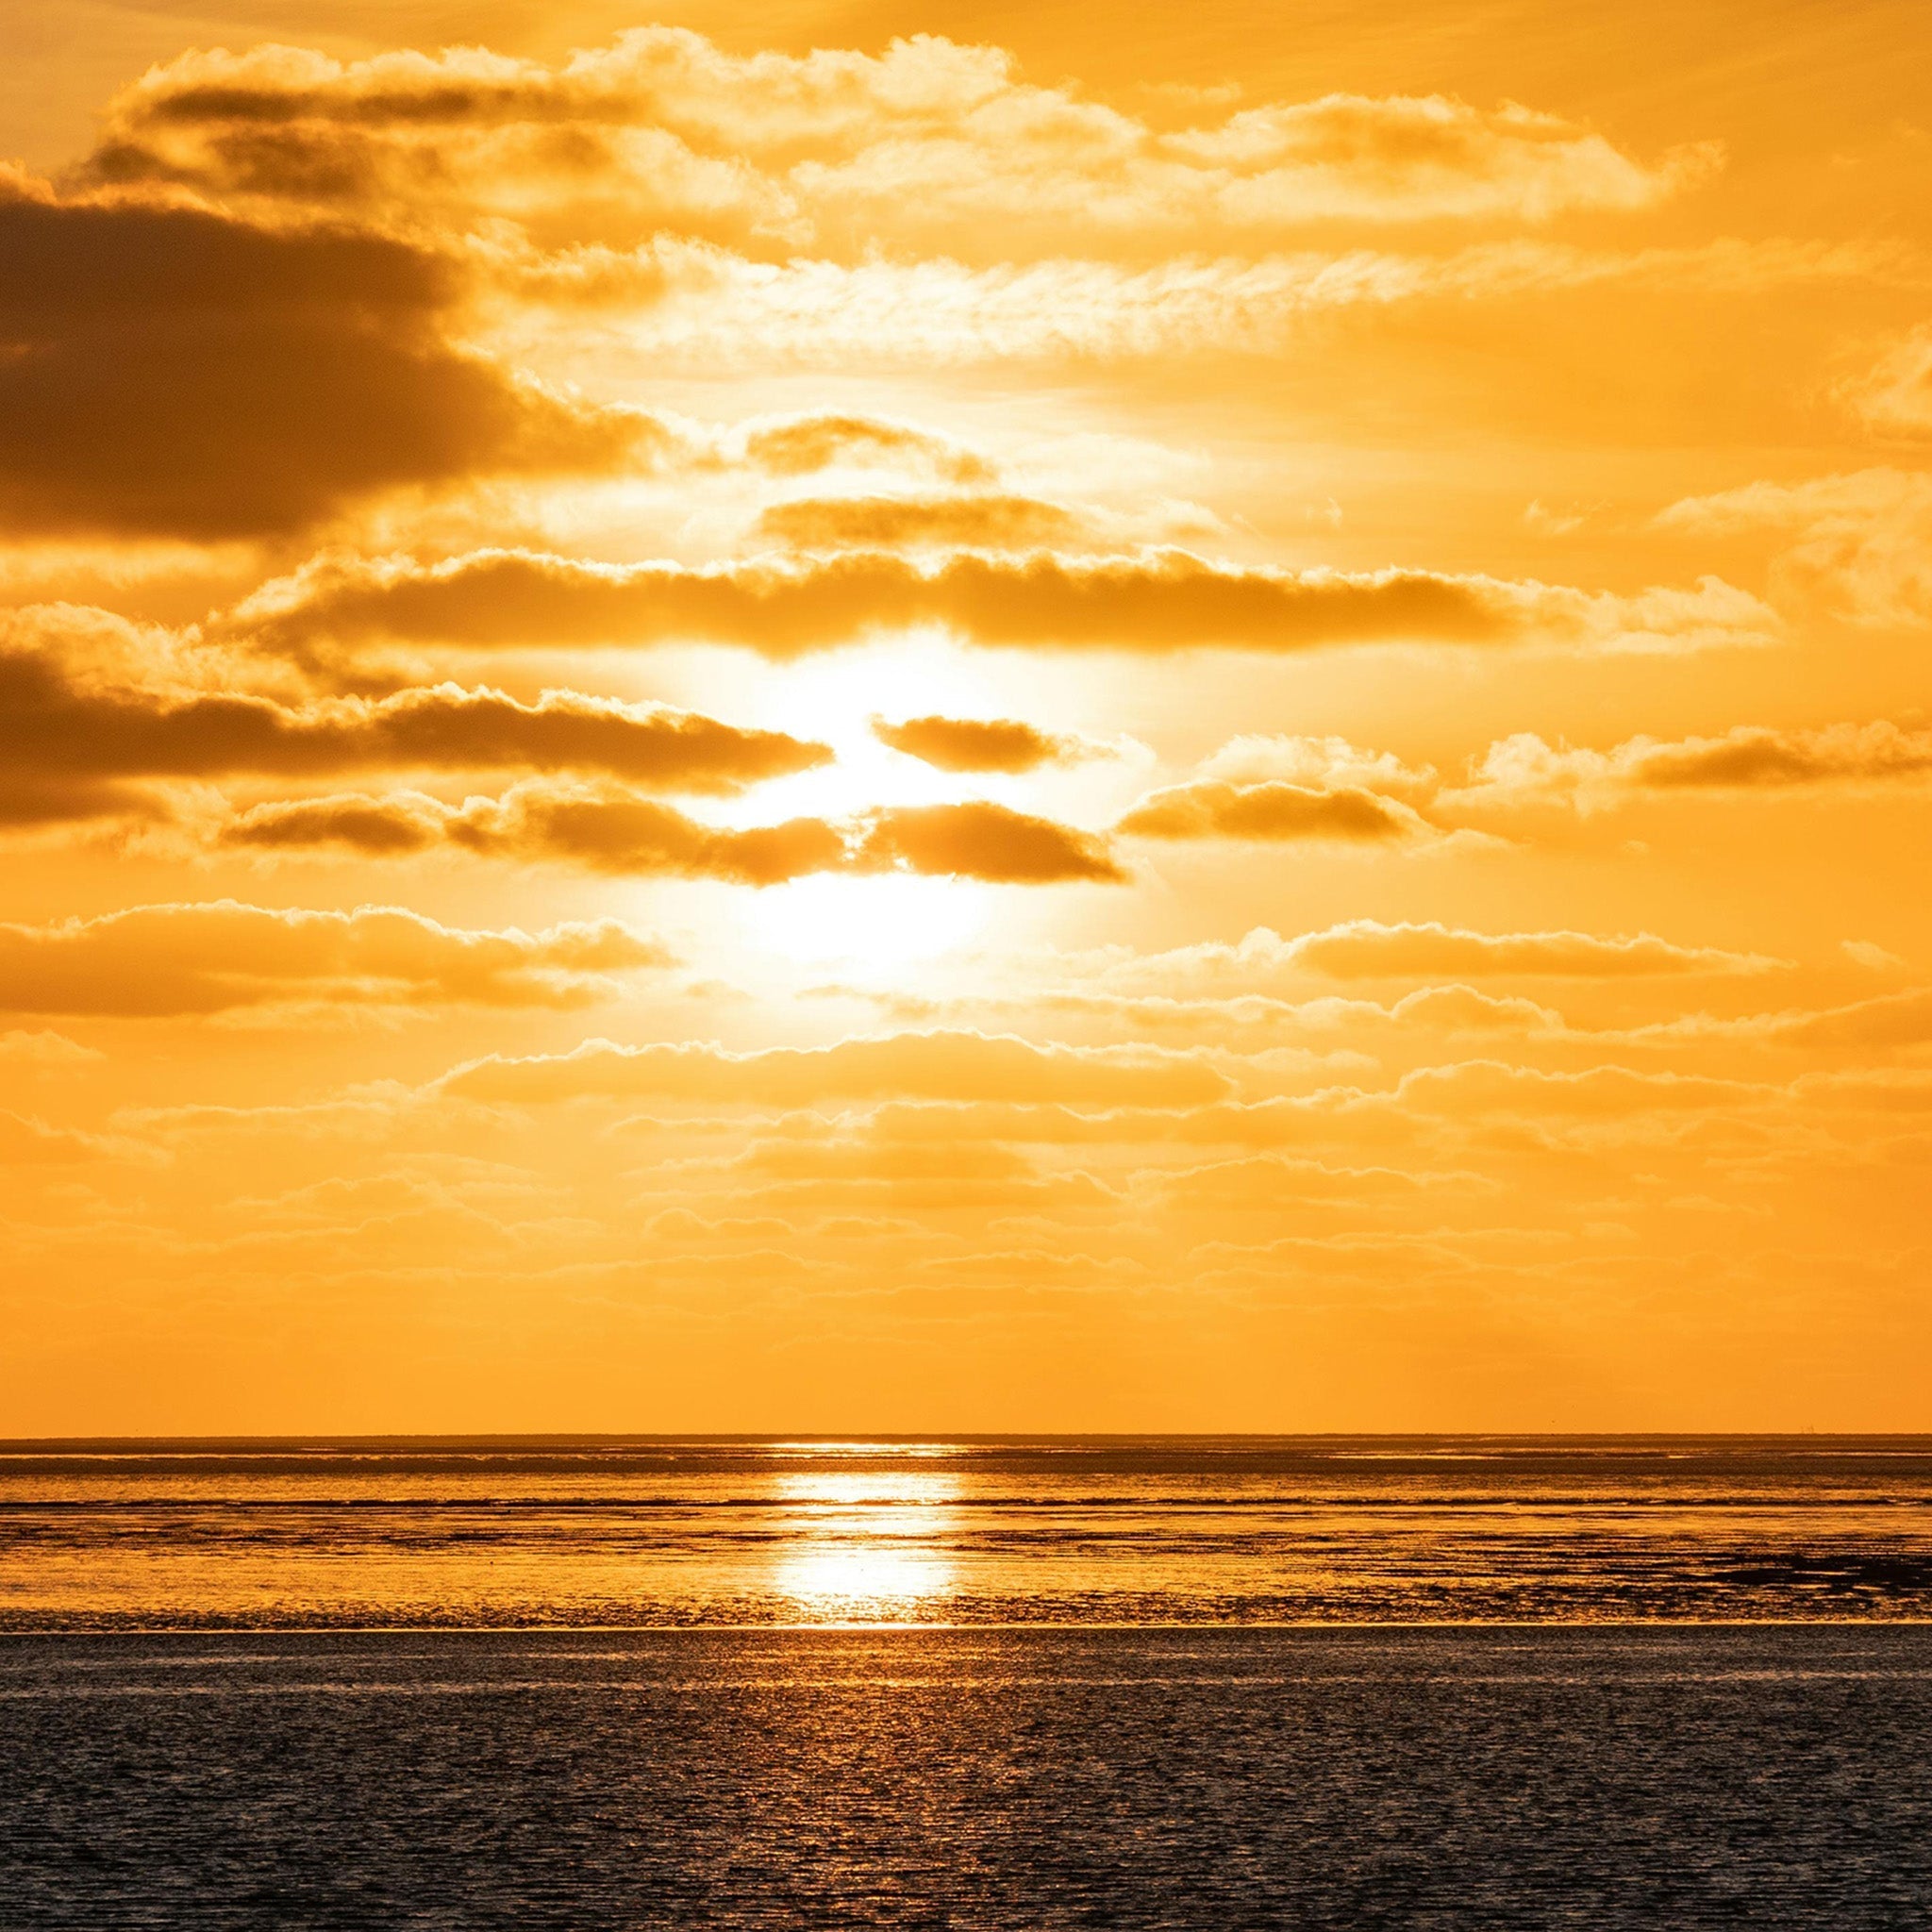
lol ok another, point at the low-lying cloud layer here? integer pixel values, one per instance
(156, 960)
(70, 742)
(1152, 602)
(608, 830)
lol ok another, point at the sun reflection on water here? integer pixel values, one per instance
(865, 1545)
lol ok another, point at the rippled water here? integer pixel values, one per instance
(649, 1532)
(1654, 1777)
(1008, 1685)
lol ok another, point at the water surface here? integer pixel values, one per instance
(1006, 1779)
(655, 1531)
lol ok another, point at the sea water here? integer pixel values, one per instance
(1060, 1530)
(1004, 1685)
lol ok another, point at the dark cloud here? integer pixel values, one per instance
(1746, 759)
(978, 520)
(1150, 602)
(610, 830)
(1753, 758)
(28, 799)
(801, 444)
(165, 370)
(66, 743)
(1272, 810)
(981, 841)
(980, 744)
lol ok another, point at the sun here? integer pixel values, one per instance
(874, 927)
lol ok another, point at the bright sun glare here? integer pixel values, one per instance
(867, 1542)
(873, 926)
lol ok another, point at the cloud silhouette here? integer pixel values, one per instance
(607, 829)
(171, 371)
(1274, 810)
(67, 743)
(1157, 601)
(981, 744)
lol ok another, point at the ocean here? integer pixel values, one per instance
(641, 1532)
(1001, 1684)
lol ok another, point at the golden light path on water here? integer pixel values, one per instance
(866, 1545)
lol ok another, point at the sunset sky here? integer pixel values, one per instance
(829, 717)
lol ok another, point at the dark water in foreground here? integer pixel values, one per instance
(1063, 1531)
(996, 1778)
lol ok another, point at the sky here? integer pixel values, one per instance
(852, 717)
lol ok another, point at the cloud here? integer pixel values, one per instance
(980, 520)
(1882, 1089)
(789, 446)
(956, 1066)
(610, 830)
(1273, 812)
(693, 305)
(928, 144)
(1150, 601)
(1857, 544)
(982, 840)
(1748, 757)
(1318, 1026)
(169, 371)
(1894, 397)
(983, 744)
(45, 1050)
(64, 736)
(386, 827)
(28, 801)
(1322, 762)
(1873, 958)
(1890, 1020)
(30, 1142)
(1461, 1009)
(1262, 978)
(1270, 1183)
(605, 829)
(868, 1159)
(1366, 949)
(1329, 1115)
(1494, 1086)
(154, 961)
(798, 445)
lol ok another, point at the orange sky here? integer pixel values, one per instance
(989, 717)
